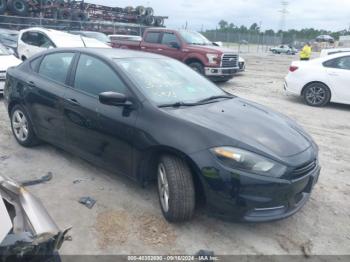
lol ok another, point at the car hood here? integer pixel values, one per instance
(249, 125)
(7, 61)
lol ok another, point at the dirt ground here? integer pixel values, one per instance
(127, 219)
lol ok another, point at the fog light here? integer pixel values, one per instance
(214, 71)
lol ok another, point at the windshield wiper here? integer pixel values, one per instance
(214, 98)
(178, 104)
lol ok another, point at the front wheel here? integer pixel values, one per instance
(317, 94)
(175, 189)
(198, 67)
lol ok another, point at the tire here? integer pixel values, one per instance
(18, 7)
(198, 67)
(175, 181)
(317, 94)
(159, 21)
(129, 9)
(21, 122)
(149, 20)
(140, 10)
(149, 11)
(3, 6)
(64, 14)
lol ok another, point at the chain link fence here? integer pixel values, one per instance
(244, 42)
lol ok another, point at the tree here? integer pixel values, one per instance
(254, 27)
(223, 24)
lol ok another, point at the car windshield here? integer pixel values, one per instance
(4, 50)
(194, 38)
(99, 36)
(166, 81)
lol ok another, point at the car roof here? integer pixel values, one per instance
(110, 53)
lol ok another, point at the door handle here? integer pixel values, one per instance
(142, 47)
(73, 102)
(333, 74)
(160, 49)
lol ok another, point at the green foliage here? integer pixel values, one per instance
(289, 36)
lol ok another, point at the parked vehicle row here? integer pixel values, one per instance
(150, 117)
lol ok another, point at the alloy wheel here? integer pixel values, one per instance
(163, 187)
(315, 95)
(20, 125)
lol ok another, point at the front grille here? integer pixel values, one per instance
(229, 60)
(304, 169)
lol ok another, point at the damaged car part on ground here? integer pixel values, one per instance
(153, 118)
(27, 230)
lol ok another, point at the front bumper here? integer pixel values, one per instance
(240, 196)
(220, 71)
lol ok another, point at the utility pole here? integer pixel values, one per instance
(284, 11)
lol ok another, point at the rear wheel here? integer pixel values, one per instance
(175, 189)
(22, 128)
(317, 94)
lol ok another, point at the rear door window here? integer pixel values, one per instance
(169, 38)
(152, 37)
(56, 66)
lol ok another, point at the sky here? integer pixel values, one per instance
(333, 15)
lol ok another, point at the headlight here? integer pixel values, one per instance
(247, 161)
(213, 58)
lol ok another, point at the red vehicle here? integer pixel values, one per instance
(192, 48)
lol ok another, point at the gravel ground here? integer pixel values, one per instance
(127, 219)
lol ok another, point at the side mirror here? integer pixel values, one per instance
(174, 45)
(114, 99)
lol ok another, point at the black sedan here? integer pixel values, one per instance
(152, 118)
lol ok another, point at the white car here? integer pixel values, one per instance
(34, 40)
(7, 59)
(332, 51)
(321, 80)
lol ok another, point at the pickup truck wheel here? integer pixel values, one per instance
(198, 67)
(175, 189)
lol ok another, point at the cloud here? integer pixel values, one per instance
(320, 14)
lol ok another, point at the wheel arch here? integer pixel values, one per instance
(193, 60)
(146, 171)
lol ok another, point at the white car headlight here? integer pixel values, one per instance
(236, 158)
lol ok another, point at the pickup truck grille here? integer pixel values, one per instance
(229, 60)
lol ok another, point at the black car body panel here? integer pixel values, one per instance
(122, 139)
